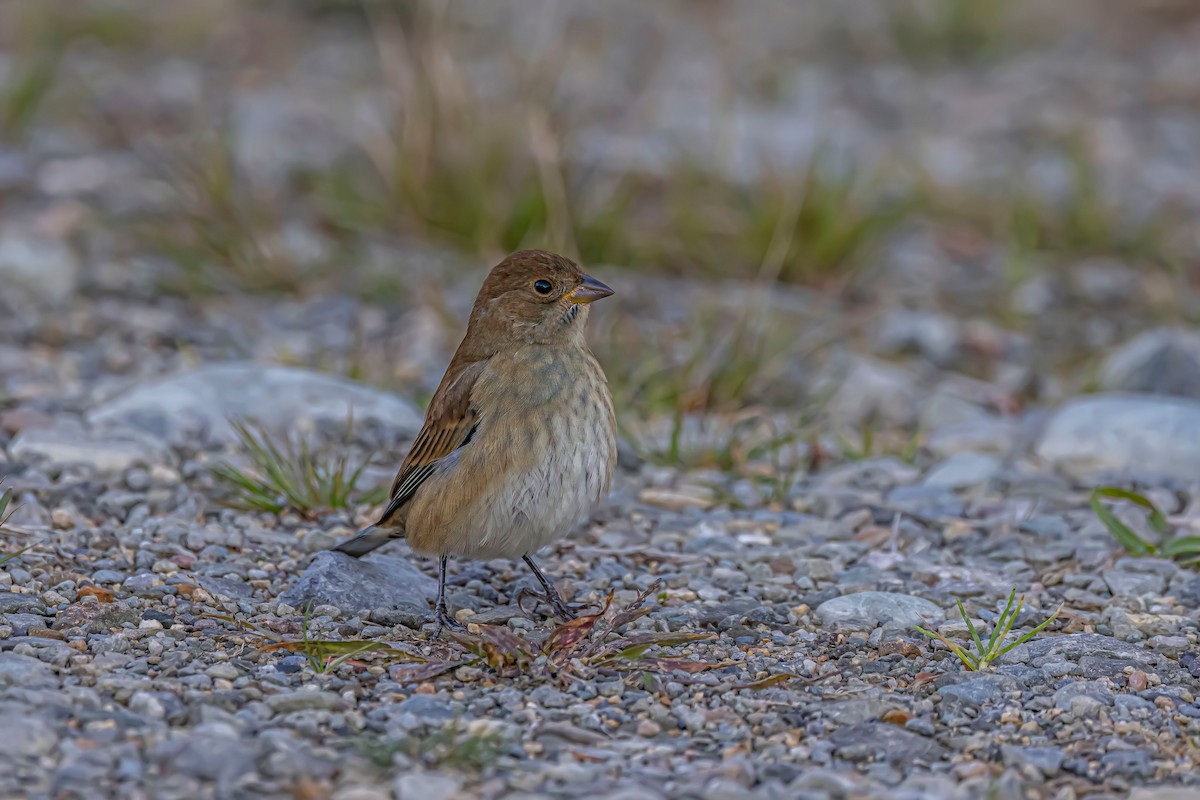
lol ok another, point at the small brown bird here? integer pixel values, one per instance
(519, 442)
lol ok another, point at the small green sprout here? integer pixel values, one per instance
(994, 648)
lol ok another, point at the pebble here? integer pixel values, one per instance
(879, 608)
(427, 786)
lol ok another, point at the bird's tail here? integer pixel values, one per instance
(366, 540)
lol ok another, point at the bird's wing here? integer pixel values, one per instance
(449, 424)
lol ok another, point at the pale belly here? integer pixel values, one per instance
(514, 511)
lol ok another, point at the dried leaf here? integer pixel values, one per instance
(682, 664)
(325, 649)
(634, 610)
(497, 645)
(423, 672)
(101, 594)
(249, 627)
(896, 716)
(768, 682)
(635, 645)
(921, 678)
(566, 637)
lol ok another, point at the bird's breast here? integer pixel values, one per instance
(541, 460)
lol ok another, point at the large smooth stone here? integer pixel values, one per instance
(206, 398)
(1141, 434)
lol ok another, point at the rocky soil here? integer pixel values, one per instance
(151, 638)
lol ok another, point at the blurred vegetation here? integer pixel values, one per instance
(949, 31)
(449, 164)
(285, 473)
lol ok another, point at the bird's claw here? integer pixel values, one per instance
(442, 620)
(562, 609)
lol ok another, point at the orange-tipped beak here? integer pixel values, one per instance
(589, 291)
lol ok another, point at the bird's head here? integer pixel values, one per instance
(536, 297)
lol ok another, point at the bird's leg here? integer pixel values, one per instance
(441, 615)
(561, 608)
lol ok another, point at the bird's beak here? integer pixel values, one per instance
(589, 291)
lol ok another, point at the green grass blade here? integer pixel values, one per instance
(1181, 546)
(1003, 623)
(1025, 637)
(968, 661)
(1124, 535)
(6, 557)
(970, 626)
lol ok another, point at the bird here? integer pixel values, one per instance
(518, 445)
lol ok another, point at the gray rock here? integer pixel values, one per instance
(427, 786)
(984, 434)
(867, 709)
(1163, 793)
(1169, 645)
(426, 707)
(879, 608)
(25, 735)
(15, 603)
(361, 793)
(1190, 591)
(355, 585)
(1066, 695)
(1047, 760)
(1124, 433)
(107, 576)
(25, 671)
(46, 268)
(879, 741)
(211, 751)
(962, 470)
(935, 336)
(867, 388)
(1162, 361)
(976, 688)
(1075, 646)
(928, 501)
(224, 587)
(1133, 584)
(68, 442)
(288, 702)
(207, 397)
(23, 622)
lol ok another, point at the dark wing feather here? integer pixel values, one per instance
(449, 424)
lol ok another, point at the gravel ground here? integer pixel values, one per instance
(122, 675)
(143, 635)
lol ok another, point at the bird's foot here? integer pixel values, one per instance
(562, 609)
(444, 620)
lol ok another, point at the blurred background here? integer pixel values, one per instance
(862, 216)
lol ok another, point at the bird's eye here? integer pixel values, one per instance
(543, 286)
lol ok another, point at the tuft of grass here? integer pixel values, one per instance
(987, 652)
(289, 473)
(217, 232)
(906, 446)
(24, 95)
(474, 749)
(5, 514)
(1083, 223)
(948, 31)
(325, 655)
(815, 226)
(712, 361)
(38, 35)
(455, 167)
(1180, 548)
